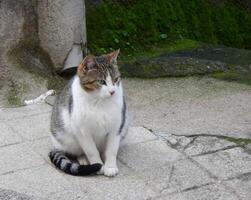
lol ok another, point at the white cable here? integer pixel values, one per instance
(41, 98)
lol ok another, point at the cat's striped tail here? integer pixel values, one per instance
(62, 161)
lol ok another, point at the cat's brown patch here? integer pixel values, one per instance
(89, 87)
(85, 65)
(81, 68)
(87, 74)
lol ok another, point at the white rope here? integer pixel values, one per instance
(41, 98)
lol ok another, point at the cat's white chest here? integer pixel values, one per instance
(99, 121)
(97, 117)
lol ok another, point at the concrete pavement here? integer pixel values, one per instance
(176, 148)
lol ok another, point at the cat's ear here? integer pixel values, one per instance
(113, 56)
(86, 64)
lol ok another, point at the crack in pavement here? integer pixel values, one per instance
(190, 143)
(11, 144)
(166, 186)
(22, 169)
(241, 142)
(215, 151)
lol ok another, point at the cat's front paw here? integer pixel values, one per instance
(110, 171)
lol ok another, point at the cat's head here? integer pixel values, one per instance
(99, 75)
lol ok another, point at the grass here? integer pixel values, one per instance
(143, 27)
(15, 93)
(157, 50)
(239, 141)
(55, 83)
(235, 75)
(13, 97)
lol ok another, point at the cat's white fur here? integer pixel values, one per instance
(92, 127)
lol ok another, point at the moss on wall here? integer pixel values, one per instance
(32, 72)
(139, 25)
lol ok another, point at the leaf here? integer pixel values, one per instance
(116, 40)
(163, 36)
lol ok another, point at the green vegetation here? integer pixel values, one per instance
(29, 56)
(14, 94)
(239, 141)
(241, 75)
(159, 49)
(141, 27)
(55, 83)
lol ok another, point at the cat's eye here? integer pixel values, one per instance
(102, 82)
(116, 80)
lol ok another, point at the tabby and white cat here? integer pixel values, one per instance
(90, 117)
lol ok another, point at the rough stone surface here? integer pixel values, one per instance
(13, 15)
(148, 155)
(17, 157)
(226, 164)
(248, 147)
(188, 106)
(171, 66)
(8, 114)
(176, 176)
(194, 167)
(126, 187)
(204, 145)
(241, 186)
(30, 131)
(138, 135)
(38, 38)
(215, 191)
(8, 136)
(61, 25)
(202, 60)
(39, 181)
(12, 195)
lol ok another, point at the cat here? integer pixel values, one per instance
(90, 117)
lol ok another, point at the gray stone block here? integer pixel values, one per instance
(204, 145)
(148, 155)
(226, 164)
(12, 195)
(209, 192)
(241, 186)
(137, 135)
(42, 181)
(17, 157)
(61, 26)
(103, 188)
(190, 106)
(8, 114)
(176, 177)
(48, 183)
(42, 147)
(248, 147)
(32, 127)
(8, 136)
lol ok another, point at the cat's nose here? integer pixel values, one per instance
(112, 92)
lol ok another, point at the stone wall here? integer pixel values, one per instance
(33, 28)
(37, 39)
